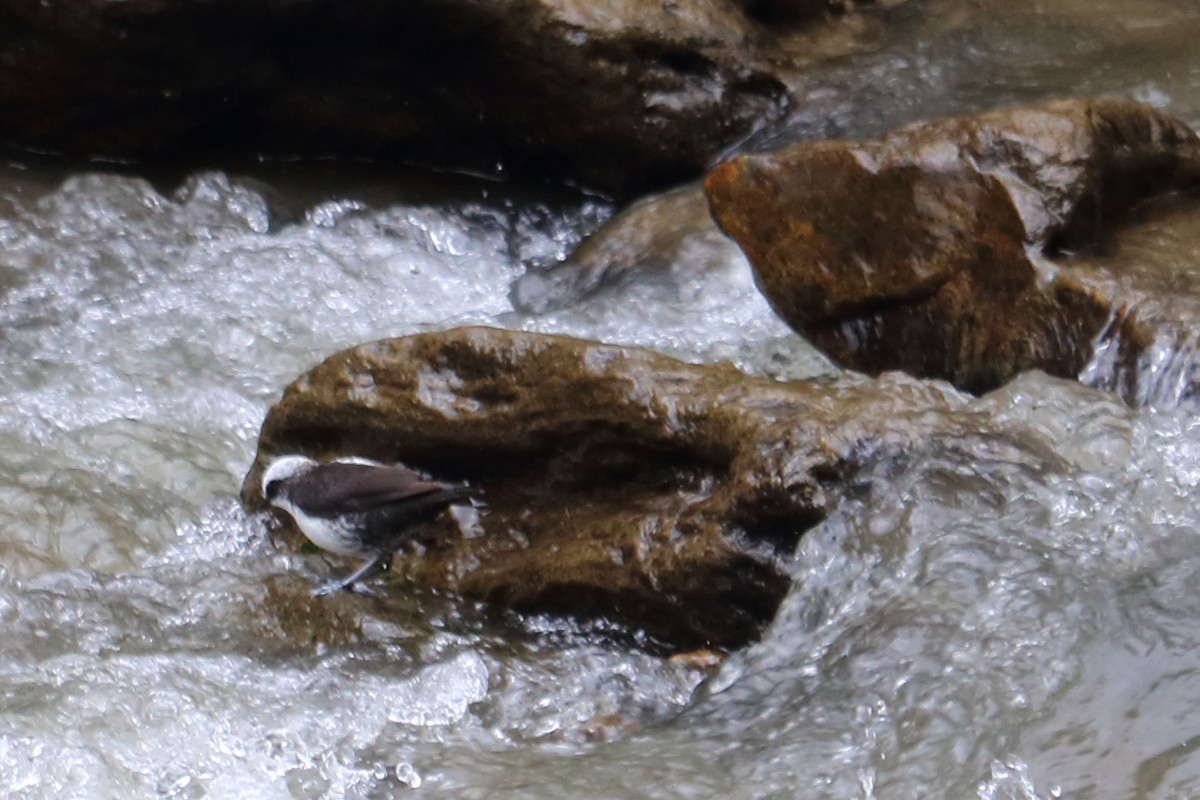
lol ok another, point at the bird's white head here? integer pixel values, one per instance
(282, 468)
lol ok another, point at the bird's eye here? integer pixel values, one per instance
(271, 489)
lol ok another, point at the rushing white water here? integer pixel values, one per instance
(145, 335)
(1007, 613)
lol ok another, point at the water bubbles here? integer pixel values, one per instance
(330, 213)
(407, 775)
(1010, 780)
(211, 201)
(980, 618)
(439, 694)
(184, 786)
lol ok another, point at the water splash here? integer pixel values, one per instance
(1162, 373)
(988, 616)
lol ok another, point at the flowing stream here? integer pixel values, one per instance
(1012, 614)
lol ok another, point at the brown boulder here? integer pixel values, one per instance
(942, 249)
(625, 92)
(619, 482)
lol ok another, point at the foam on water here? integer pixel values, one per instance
(941, 624)
(177, 680)
(1005, 613)
(146, 334)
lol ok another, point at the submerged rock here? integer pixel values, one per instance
(620, 92)
(619, 483)
(667, 237)
(944, 248)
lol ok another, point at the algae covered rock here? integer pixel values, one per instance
(619, 483)
(944, 248)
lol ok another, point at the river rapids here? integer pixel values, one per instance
(1005, 616)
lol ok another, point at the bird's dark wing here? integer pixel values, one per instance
(346, 488)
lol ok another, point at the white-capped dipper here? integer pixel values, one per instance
(356, 507)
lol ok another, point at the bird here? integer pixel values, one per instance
(353, 506)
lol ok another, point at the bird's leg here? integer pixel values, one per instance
(380, 563)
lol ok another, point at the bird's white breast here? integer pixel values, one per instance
(328, 534)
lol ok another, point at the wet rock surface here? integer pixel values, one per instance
(947, 248)
(619, 483)
(1147, 351)
(617, 93)
(668, 237)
